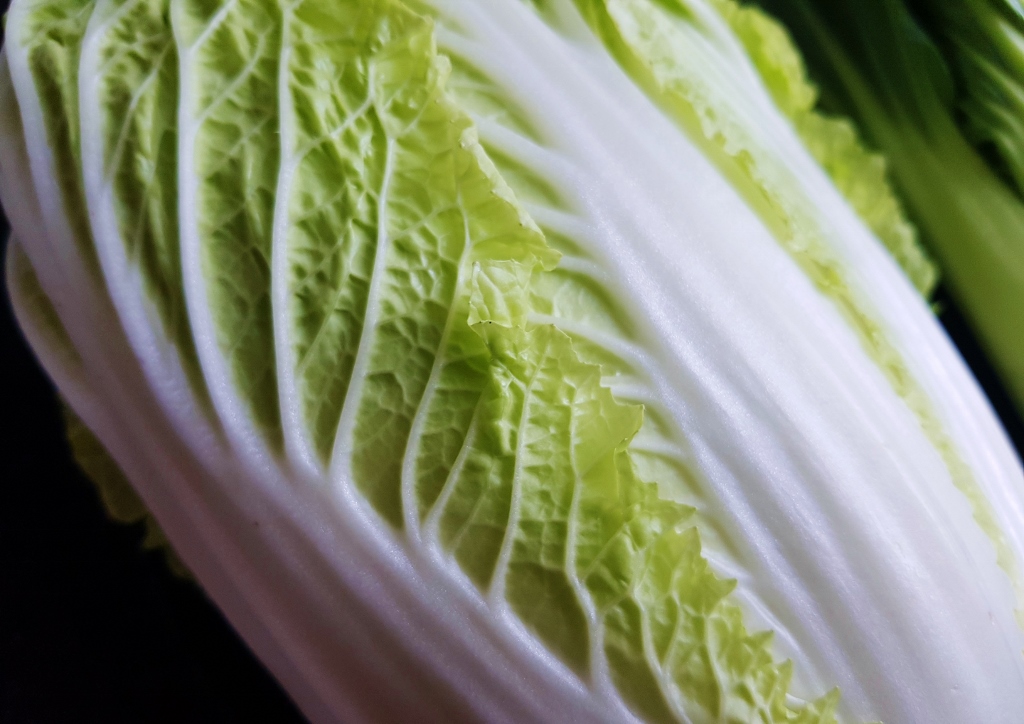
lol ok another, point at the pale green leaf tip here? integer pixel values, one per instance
(860, 174)
(119, 498)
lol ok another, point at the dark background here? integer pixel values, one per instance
(93, 628)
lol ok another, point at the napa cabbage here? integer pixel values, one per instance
(513, 361)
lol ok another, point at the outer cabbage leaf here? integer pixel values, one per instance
(983, 43)
(859, 174)
(876, 64)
